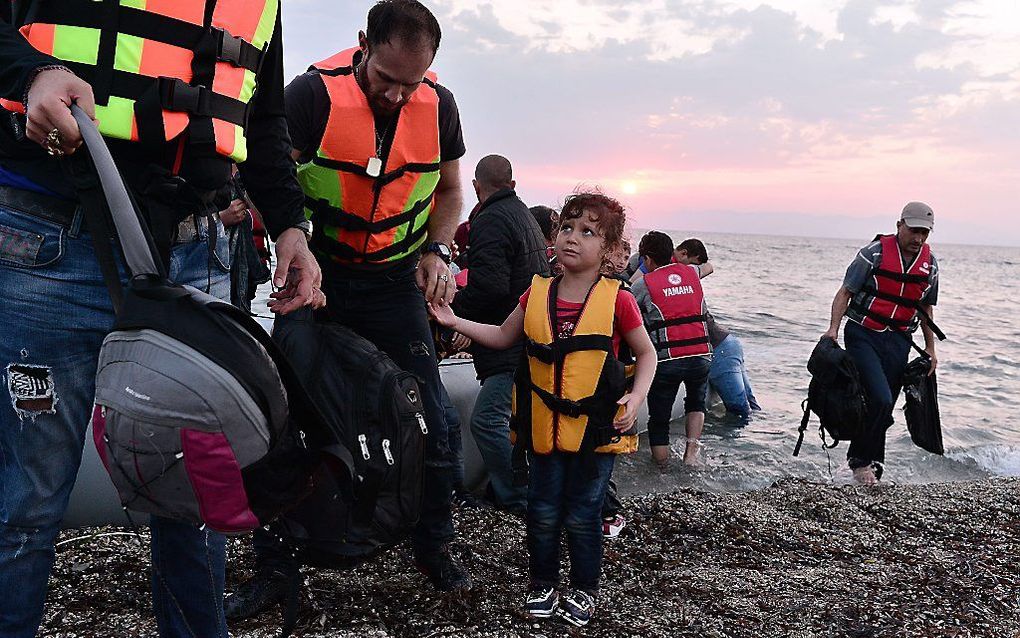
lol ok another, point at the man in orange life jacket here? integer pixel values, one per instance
(673, 305)
(177, 88)
(378, 142)
(891, 284)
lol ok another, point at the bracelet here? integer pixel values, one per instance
(35, 73)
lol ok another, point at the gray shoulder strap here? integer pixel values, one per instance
(139, 258)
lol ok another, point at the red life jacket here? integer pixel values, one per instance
(676, 318)
(895, 292)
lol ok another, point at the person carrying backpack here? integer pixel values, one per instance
(891, 285)
(378, 142)
(174, 139)
(573, 411)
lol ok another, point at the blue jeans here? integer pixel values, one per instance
(490, 425)
(563, 494)
(881, 358)
(728, 377)
(692, 372)
(55, 315)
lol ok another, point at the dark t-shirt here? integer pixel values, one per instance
(716, 333)
(307, 114)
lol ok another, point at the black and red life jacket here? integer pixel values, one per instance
(676, 318)
(892, 298)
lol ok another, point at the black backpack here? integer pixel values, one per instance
(378, 409)
(835, 394)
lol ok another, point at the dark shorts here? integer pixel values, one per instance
(692, 372)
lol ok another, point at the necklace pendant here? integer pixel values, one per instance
(374, 168)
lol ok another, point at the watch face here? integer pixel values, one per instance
(444, 250)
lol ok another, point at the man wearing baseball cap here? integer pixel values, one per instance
(890, 288)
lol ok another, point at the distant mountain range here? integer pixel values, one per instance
(947, 231)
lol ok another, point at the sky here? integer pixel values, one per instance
(818, 118)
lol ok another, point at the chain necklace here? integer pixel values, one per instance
(374, 166)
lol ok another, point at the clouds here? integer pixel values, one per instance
(730, 105)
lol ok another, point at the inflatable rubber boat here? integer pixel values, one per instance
(94, 500)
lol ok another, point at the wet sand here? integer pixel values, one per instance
(795, 560)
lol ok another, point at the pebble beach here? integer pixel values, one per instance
(796, 559)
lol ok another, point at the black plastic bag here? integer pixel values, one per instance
(922, 406)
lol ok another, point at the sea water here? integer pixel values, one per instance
(775, 294)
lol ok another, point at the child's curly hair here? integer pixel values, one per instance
(608, 213)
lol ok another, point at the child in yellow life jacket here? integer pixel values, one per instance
(572, 406)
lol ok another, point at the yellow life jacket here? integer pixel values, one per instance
(569, 387)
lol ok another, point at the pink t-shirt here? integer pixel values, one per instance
(626, 316)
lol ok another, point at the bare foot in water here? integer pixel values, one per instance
(691, 455)
(866, 475)
(660, 455)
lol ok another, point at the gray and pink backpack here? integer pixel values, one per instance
(198, 415)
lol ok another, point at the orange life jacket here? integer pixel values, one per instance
(365, 208)
(159, 68)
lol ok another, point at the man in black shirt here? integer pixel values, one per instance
(379, 143)
(507, 251)
(57, 311)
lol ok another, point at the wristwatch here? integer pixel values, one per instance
(306, 228)
(440, 249)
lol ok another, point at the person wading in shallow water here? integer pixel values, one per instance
(890, 282)
(673, 307)
(728, 374)
(378, 142)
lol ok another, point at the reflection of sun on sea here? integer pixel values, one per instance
(629, 188)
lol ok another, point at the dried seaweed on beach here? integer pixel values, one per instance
(795, 560)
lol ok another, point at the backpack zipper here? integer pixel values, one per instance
(394, 420)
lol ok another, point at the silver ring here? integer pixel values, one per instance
(444, 277)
